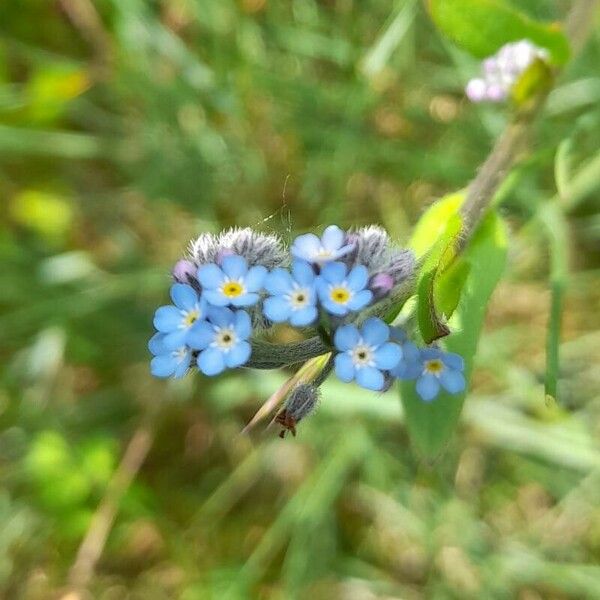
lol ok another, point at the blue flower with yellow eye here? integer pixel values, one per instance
(222, 340)
(176, 321)
(293, 295)
(332, 245)
(440, 370)
(365, 353)
(168, 362)
(341, 291)
(233, 283)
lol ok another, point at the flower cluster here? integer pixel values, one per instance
(501, 71)
(240, 283)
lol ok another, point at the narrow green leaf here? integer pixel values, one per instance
(433, 223)
(449, 285)
(482, 26)
(441, 256)
(431, 425)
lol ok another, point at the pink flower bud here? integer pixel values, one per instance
(476, 90)
(381, 285)
(183, 270)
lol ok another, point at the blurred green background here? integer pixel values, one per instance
(127, 127)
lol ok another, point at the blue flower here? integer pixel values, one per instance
(232, 283)
(341, 292)
(293, 296)
(176, 321)
(330, 246)
(167, 362)
(222, 340)
(440, 369)
(411, 365)
(365, 353)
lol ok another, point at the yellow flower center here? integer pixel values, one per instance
(435, 366)
(340, 295)
(191, 317)
(232, 289)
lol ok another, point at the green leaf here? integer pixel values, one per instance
(433, 223)
(431, 425)
(439, 259)
(482, 26)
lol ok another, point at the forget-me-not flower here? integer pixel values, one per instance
(231, 283)
(365, 353)
(330, 246)
(411, 365)
(293, 295)
(341, 291)
(167, 362)
(176, 321)
(222, 339)
(440, 369)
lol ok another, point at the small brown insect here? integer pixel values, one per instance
(287, 421)
(302, 401)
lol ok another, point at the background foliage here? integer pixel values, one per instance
(127, 130)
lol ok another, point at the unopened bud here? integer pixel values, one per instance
(183, 270)
(381, 284)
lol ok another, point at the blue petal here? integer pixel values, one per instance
(370, 378)
(221, 316)
(322, 287)
(306, 246)
(243, 324)
(428, 387)
(343, 251)
(407, 369)
(238, 355)
(255, 278)
(215, 298)
(183, 296)
(155, 345)
(334, 272)
(453, 361)
(334, 308)
(374, 331)
(277, 309)
(388, 356)
(357, 278)
(344, 368)
(303, 273)
(211, 362)
(452, 381)
(360, 300)
(175, 339)
(278, 282)
(163, 365)
(304, 316)
(234, 266)
(183, 365)
(245, 300)
(346, 337)
(398, 335)
(411, 353)
(167, 318)
(210, 276)
(200, 335)
(332, 238)
(431, 353)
